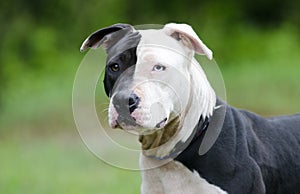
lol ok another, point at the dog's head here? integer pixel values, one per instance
(152, 78)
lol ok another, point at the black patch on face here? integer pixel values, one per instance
(123, 61)
(121, 54)
(120, 42)
(121, 100)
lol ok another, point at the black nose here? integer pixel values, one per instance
(133, 103)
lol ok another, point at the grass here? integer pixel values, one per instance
(59, 164)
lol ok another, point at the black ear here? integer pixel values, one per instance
(100, 36)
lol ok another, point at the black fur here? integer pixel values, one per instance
(122, 53)
(252, 155)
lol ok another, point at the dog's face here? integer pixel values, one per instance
(148, 74)
(156, 87)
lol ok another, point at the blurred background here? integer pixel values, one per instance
(256, 44)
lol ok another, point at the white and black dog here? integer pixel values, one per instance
(158, 90)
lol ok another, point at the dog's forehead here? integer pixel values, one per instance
(155, 45)
(125, 40)
(153, 39)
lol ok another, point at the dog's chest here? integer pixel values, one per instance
(173, 178)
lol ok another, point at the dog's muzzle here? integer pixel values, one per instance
(126, 113)
(132, 109)
(124, 105)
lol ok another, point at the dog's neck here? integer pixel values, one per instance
(151, 142)
(161, 136)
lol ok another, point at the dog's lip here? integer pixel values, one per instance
(123, 126)
(159, 125)
(117, 125)
(162, 123)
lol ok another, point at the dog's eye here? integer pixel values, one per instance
(158, 68)
(114, 67)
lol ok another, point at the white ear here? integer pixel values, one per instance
(187, 31)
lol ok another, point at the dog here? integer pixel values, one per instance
(159, 91)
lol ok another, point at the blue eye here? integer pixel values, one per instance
(115, 67)
(158, 68)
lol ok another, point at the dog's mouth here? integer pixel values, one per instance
(162, 123)
(161, 135)
(141, 130)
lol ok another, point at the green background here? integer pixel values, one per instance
(255, 43)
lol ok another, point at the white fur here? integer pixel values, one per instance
(199, 46)
(173, 178)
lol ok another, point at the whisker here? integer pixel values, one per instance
(105, 110)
